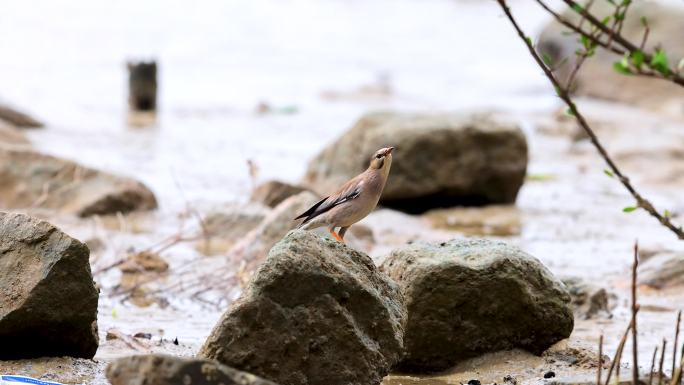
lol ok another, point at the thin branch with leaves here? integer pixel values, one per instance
(607, 33)
(563, 93)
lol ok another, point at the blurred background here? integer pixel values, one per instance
(252, 91)
(317, 65)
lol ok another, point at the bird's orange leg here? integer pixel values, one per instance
(334, 234)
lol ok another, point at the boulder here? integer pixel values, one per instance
(18, 118)
(225, 227)
(441, 160)
(663, 270)
(48, 301)
(468, 297)
(317, 313)
(273, 192)
(253, 247)
(159, 369)
(597, 78)
(31, 179)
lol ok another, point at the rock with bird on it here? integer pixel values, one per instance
(254, 246)
(316, 313)
(48, 301)
(159, 369)
(441, 159)
(34, 180)
(469, 297)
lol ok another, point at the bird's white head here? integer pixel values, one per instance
(382, 159)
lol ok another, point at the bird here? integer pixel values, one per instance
(353, 200)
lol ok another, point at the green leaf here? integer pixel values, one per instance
(569, 112)
(529, 41)
(609, 173)
(644, 21)
(667, 214)
(660, 63)
(637, 58)
(547, 60)
(606, 20)
(577, 8)
(540, 177)
(622, 67)
(629, 209)
(586, 43)
(558, 90)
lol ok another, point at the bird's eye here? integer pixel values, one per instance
(378, 156)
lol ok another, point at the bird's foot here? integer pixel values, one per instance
(337, 236)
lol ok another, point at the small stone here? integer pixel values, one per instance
(158, 369)
(474, 382)
(549, 374)
(273, 192)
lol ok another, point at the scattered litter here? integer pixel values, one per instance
(13, 380)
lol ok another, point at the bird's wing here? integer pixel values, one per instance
(349, 191)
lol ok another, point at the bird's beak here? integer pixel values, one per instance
(388, 150)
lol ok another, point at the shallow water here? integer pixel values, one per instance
(320, 64)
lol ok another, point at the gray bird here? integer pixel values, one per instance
(353, 201)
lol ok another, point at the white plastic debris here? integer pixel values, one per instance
(21, 380)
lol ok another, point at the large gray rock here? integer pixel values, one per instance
(158, 369)
(252, 249)
(31, 179)
(315, 313)
(469, 297)
(597, 77)
(48, 301)
(441, 159)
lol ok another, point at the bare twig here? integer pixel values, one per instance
(564, 94)
(635, 309)
(618, 353)
(662, 360)
(677, 374)
(600, 361)
(650, 374)
(676, 342)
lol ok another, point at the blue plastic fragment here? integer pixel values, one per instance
(16, 380)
